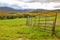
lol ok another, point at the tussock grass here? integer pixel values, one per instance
(13, 29)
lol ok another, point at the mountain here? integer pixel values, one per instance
(8, 9)
(14, 10)
(40, 10)
(43, 10)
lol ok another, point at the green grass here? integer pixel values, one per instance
(12, 22)
(13, 29)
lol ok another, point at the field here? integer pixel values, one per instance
(16, 29)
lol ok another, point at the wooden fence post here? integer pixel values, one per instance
(54, 24)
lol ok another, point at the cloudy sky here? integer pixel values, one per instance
(31, 4)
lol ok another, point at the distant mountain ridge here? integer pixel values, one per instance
(24, 10)
(44, 10)
(14, 10)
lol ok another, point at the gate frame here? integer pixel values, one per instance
(54, 23)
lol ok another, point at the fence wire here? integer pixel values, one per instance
(45, 21)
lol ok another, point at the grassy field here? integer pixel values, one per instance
(15, 29)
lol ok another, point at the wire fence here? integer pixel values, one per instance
(45, 21)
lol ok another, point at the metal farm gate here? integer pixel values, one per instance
(46, 21)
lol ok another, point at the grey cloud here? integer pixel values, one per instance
(40, 0)
(3, 4)
(47, 0)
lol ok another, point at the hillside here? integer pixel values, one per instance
(14, 10)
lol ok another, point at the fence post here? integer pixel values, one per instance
(54, 24)
(45, 21)
(27, 21)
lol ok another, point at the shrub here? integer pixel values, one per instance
(1, 17)
(11, 17)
